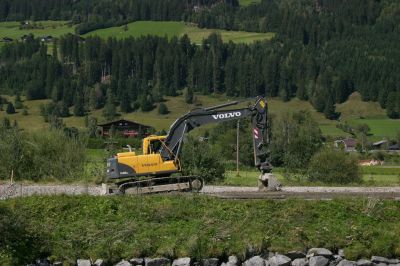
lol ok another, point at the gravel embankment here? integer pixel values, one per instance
(17, 190)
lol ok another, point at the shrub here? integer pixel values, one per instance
(163, 109)
(199, 158)
(10, 109)
(333, 166)
(36, 156)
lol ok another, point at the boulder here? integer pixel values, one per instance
(156, 262)
(295, 255)
(123, 263)
(181, 262)
(394, 261)
(58, 263)
(336, 260)
(380, 264)
(279, 260)
(364, 262)
(318, 261)
(319, 252)
(81, 262)
(99, 262)
(136, 261)
(232, 261)
(300, 262)
(377, 259)
(341, 253)
(254, 261)
(347, 263)
(210, 262)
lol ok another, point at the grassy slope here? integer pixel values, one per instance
(126, 227)
(177, 107)
(170, 29)
(357, 112)
(54, 28)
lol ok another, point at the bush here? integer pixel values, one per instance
(37, 156)
(333, 166)
(198, 158)
(163, 109)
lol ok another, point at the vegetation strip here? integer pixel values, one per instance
(126, 227)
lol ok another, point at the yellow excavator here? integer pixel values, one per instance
(158, 168)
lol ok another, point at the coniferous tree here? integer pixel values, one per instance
(79, 108)
(10, 108)
(110, 110)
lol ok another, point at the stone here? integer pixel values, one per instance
(336, 260)
(295, 254)
(394, 261)
(210, 262)
(232, 261)
(181, 262)
(347, 263)
(378, 259)
(318, 261)
(123, 263)
(341, 253)
(254, 261)
(156, 262)
(268, 182)
(319, 252)
(57, 263)
(380, 264)
(279, 260)
(136, 261)
(99, 262)
(364, 262)
(81, 262)
(300, 262)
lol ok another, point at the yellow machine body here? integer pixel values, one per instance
(150, 162)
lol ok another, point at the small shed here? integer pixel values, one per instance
(348, 143)
(125, 127)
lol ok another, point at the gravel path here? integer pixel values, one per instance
(17, 190)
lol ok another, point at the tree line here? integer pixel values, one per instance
(323, 51)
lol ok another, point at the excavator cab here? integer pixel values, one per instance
(153, 144)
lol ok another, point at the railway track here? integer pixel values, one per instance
(224, 192)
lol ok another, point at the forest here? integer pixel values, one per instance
(323, 51)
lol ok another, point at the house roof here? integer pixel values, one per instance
(378, 143)
(122, 123)
(350, 142)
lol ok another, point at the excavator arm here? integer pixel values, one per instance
(196, 118)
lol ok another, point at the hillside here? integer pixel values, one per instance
(380, 127)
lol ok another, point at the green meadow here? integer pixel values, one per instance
(172, 28)
(39, 28)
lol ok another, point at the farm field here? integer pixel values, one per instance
(171, 29)
(41, 28)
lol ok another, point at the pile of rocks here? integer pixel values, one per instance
(313, 257)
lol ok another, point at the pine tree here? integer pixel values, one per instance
(79, 109)
(110, 110)
(163, 109)
(189, 95)
(391, 105)
(125, 103)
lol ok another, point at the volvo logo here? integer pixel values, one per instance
(227, 115)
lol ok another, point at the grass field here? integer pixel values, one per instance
(170, 29)
(124, 227)
(53, 28)
(372, 176)
(248, 2)
(380, 128)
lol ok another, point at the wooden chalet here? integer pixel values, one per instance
(125, 127)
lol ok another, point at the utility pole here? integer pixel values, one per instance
(237, 148)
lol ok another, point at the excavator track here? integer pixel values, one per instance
(162, 185)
